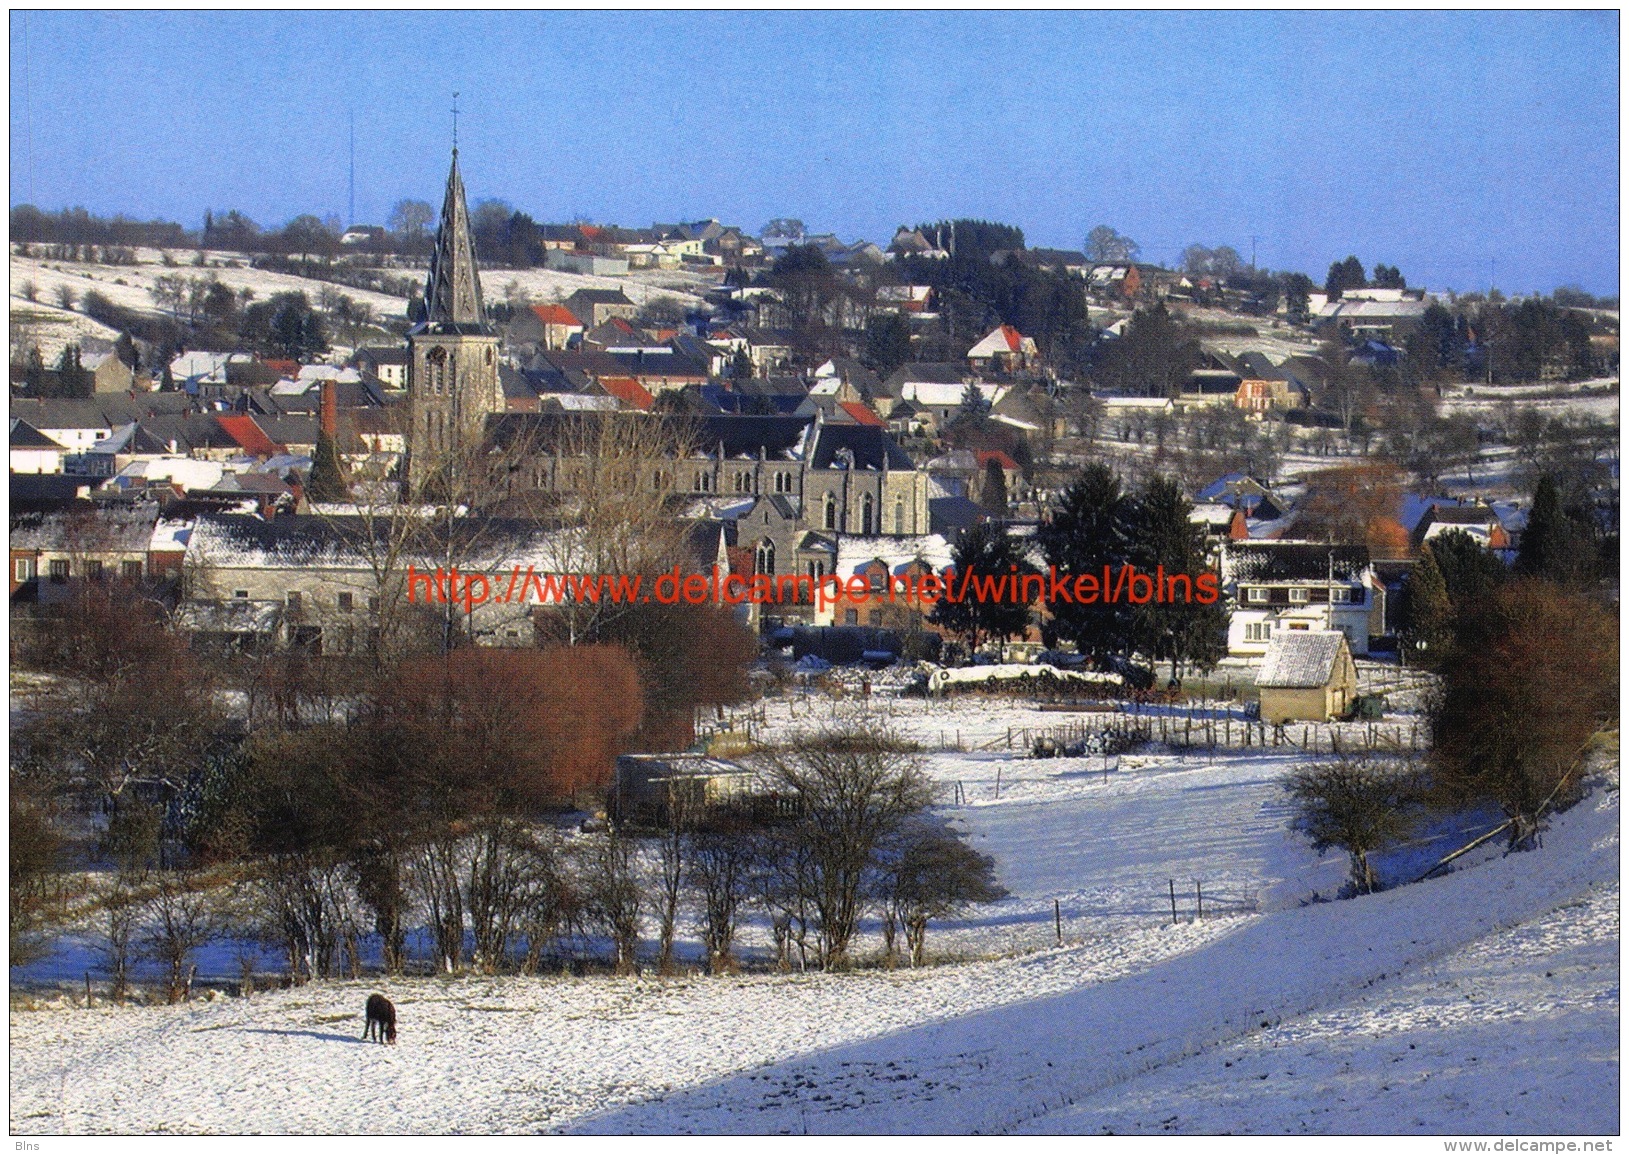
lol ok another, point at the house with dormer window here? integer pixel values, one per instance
(1276, 586)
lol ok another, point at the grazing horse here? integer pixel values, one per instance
(381, 1020)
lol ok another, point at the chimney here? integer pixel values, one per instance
(330, 411)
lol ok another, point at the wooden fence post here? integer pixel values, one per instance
(1173, 902)
(1057, 919)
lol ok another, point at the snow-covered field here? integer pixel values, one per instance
(130, 286)
(1437, 1007)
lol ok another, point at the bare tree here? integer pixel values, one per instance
(1358, 805)
(850, 789)
(181, 918)
(927, 872)
(720, 872)
(614, 892)
(671, 871)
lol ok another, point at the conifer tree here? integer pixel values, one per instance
(988, 550)
(1175, 626)
(1427, 613)
(327, 481)
(1554, 546)
(1090, 530)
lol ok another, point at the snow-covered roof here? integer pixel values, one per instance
(1211, 513)
(944, 393)
(896, 553)
(1300, 659)
(584, 402)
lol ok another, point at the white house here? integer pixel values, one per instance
(1277, 586)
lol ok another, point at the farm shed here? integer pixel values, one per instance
(646, 784)
(1307, 676)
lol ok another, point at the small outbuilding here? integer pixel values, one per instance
(647, 787)
(1306, 676)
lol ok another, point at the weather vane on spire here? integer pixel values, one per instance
(455, 122)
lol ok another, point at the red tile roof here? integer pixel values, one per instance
(246, 433)
(556, 315)
(860, 413)
(628, 391)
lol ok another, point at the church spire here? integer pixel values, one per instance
(452, 294)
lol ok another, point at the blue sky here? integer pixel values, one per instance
(1438, 142)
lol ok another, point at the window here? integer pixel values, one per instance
(866, 509)
(132, 571)
(293, 601)
(59, 571)
(373, 605)
(764, 558)
(783, 482)
(1299, 594)
(1258, 631)
(899, 517)
(1256, 594)
(817, 570)
(704, 481)
(875, 618)
(94, 569)
(346, 603)
(851, 617)
(241, 595)
(1341, 595)
(743, 482)
(831, 512)
(22, 570)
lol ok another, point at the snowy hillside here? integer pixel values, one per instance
(1423, 1009)
(130, 287)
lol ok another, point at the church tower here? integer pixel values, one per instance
(452, 382)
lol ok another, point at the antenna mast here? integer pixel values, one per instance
(351, 122)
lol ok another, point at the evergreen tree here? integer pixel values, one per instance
(994, 495)
(1343, 275)
(887, 343)
(125, 350)
(34, 372)
(1428, 615)
(1468, 570)
(71, 379)
(327, 480)
(741, 366)
(1554, 546)
(1091, 529)
(1152, 359)
(975, 405)
(1182, 629)
(988, 550)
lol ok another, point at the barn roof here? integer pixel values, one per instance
(1300, 659)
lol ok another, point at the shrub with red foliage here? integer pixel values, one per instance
(511, 731)
(1532, 674)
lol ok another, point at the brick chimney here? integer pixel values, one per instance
(330, 411)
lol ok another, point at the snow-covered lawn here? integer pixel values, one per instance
(1130, 1025)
